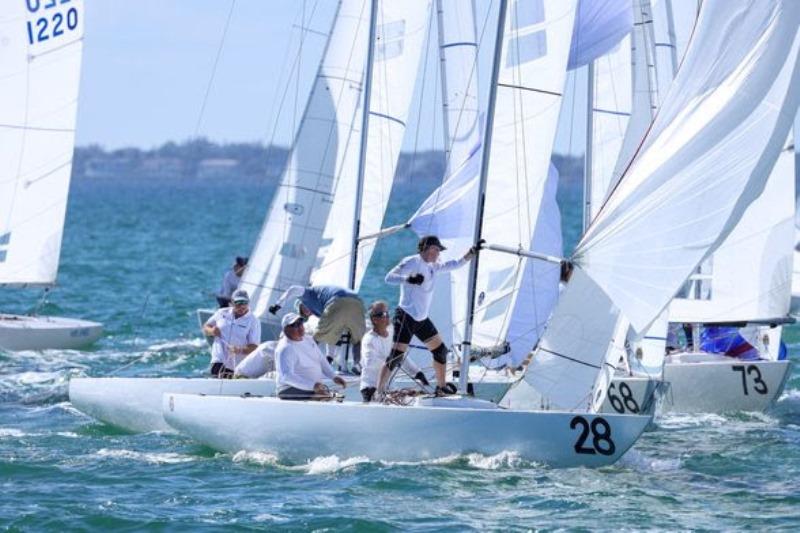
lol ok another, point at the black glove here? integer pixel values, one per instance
(419, 376)
(274, 308)
(474, 249)
(416, 279)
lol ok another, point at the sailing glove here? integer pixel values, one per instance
(274, 308)
(416, 279)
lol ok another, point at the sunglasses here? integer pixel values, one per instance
(384, 314)
(241, 302)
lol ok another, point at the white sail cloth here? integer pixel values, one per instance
(751, 272)
(530, 82)
(325, 147)
(401, 29)
(39, 78)
(705, 159)
(599, 26)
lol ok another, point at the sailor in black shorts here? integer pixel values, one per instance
(415, 274)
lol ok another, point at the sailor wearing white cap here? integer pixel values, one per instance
(300, 364)
(236, 333)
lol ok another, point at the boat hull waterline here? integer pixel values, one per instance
(134, 404)
(21, 332)
(301, 431)
(723, 385)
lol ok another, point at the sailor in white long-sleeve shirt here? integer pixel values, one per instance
(376, 346)
(415, 274)
(300, 364)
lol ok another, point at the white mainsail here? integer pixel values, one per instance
(458, 55)
(325, 148)
(401, 29)
(705, 159)
(532, 71)
(39, 76)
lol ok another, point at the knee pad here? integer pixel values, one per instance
(440, 354)
(394, 359)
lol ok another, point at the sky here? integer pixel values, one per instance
(148, 65)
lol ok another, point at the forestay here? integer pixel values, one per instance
(401, 30)
(39, 77)
(325, 147)
(706, 158)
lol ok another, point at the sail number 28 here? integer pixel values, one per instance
(600, 432)
(51, 23)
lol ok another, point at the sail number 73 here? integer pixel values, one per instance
(600, 432)
(751, 371)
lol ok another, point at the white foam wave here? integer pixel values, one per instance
(690, 420)
(636, 460)
(332, 463)
(152, 458)
(259, 458)
(503, 459)
(11, 432)
(180, 343)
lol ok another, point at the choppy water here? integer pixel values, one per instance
(141, 258)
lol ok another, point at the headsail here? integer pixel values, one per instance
(39, 78)
(713, 143)
(703, 162)
(286, 249)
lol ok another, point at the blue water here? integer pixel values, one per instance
(142, 257)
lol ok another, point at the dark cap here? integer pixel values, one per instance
(240, 261)
(430, 240)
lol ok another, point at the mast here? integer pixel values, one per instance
(473, 266)
(588, 152)
(364, 136)
(443, 76)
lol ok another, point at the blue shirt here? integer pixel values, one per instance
(317, 297)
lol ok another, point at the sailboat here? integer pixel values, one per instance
(42, 46)
(334, 169)
(653, 230)
(528, 75)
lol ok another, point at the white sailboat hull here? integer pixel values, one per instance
(710, 383)
(299, 431)
(134, 404)
(631, 395)
(20, 332)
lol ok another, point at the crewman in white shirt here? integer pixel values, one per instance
(230, 281)
(376, 347)
(300, 364)
(236, 333)
(415, 274)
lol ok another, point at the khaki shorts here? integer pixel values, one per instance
(342, 314)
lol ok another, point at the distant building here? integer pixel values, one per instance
(101, 168)
(217, 168)
(162, 168)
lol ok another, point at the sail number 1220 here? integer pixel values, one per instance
(51, 24)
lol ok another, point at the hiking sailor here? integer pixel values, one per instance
(236, 333)
(300, 364)
(230, 281)
(376, 347)
(415, 274)
(340, 311)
